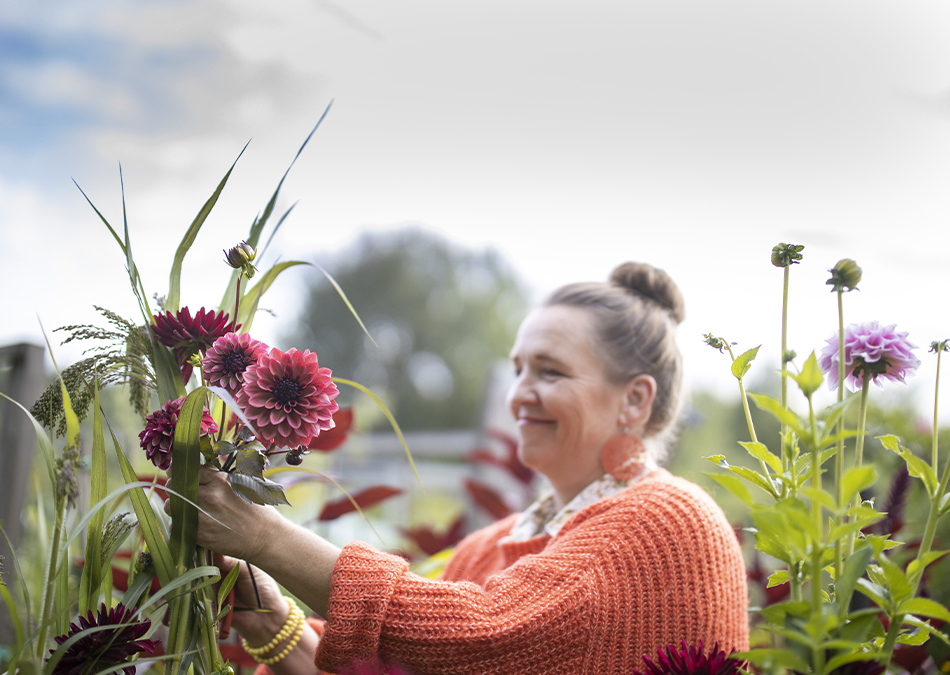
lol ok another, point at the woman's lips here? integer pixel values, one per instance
(532, 421)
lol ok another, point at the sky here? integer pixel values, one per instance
(570, 137)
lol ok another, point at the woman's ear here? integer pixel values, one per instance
(638, 402)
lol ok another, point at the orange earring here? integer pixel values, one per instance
(624, 457)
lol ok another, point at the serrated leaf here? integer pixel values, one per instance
(810, 378)
(855, 480)
(774, 407)
(760, 452)
(898, 585)
(853, 525)
(890, 442)
(258, 490)
(754, 477)
(821, 496)
(734, 485)
(719, 460)
(742, 364)
(916, 566)
(925, 627)
(925, 607)
(917, 467)
(249, 460)
(778, 578)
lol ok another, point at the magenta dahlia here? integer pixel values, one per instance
(227, 359)
(690, 660)
(159, 432)
(103, 649)
(869, 350)
(288, 397)
(189, 335)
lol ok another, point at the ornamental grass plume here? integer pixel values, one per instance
(227, 359)
(189, 335)
(103, 649)
(869, 350)
(691, 660)
(288, 397)
(159, 432)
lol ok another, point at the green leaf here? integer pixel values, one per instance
(389, 416)
(853, 570)
(916, 566)
(898, 585)
(915, 465)
(855, 480)
(174, 282)
(844, 659)
(229, 582)
(42, 440)
(734, 485)
(167, 373)
(14, 615)
(822, 497)
(249, 460)
(833, 413)
(742, 364)
(890, 442)
(777, 612)
(768, 659)
(251, 299)
(774, 407)
(760, 452)
(186, 458)
(810, 378)
(778, 578)
(925, 627)
(924, 607)
(257, 490)
(92, 569)
(719, 460)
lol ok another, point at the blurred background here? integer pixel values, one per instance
(476, 156)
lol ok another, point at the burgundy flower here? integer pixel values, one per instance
(159, 432)
(288, 397)
(103, 649)
(869, 350)
(227, 359)
(189, 335)
(690, 661)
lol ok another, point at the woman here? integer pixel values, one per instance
(618, 559)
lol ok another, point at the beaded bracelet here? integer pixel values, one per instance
(294, 619)
(289, 648)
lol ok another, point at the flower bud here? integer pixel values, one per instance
(240, 256)
(845, 275)
(784, 255)
(938, 346)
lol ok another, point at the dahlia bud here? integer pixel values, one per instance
(240, 258)
(784, 255)
(845, 275)
(938, 346)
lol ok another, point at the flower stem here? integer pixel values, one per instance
(62, 504)
(237, 299)
(936, 397)
(839, 455)
(785, 461)
(748, 418)
(859, 445)
(818, 653)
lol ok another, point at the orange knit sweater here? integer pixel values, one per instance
(655, 564)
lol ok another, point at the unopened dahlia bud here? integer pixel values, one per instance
(240, 255)
(784, 255)
(845, 275)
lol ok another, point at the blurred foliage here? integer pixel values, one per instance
(440, 315)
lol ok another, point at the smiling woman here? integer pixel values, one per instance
(617, 560)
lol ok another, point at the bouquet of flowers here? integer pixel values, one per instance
(821, 530)
(225, 400)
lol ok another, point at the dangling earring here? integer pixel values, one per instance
(624, 457)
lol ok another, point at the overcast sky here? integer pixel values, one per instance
(570, 136)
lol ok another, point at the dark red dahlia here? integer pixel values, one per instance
(189, 335)
(230, 355)
(691, 661)
(102, 649)
(288, 397)
(159, 432)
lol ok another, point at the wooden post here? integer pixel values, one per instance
(25, 382)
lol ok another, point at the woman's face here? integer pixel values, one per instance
(564, 405)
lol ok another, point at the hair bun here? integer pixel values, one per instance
(652, 284)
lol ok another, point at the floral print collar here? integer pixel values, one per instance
(542, 517)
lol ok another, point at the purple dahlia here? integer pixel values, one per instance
(869, 350)
(227, 359)
(102, 649)
(159, 432)
(690, 660)
(189, 335)
(288, 397)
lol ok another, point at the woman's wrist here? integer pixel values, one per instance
(258, 627)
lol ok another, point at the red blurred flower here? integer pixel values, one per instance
(103, 649)
(333, 438)
(227, 359)
(288, 397)
(691, 661)
(189, 335)
(159, 432)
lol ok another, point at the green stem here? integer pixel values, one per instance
(933, 462)
(795, 581)
(237, 299)
(839, 455)
(785, 461)
(859, 448)
(748, 420)
(61, 505)
(818, 653)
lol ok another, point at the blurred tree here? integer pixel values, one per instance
(440, 315)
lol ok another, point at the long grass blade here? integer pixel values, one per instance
(389, 416)
(347, 301)
(186, 457)
(23, 587)
(174, 281)
(280, 222)
(252, 298)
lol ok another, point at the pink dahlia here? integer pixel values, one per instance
(288, 397)
(159, 432)
(227, 359)
(869, 349)
(104, 649)
(189, 335)
(691, 661)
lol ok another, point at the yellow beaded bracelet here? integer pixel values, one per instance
(289, 648)
(290, 625)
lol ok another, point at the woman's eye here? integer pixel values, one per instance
(550, 372)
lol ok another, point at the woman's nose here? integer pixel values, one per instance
(521, 393)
